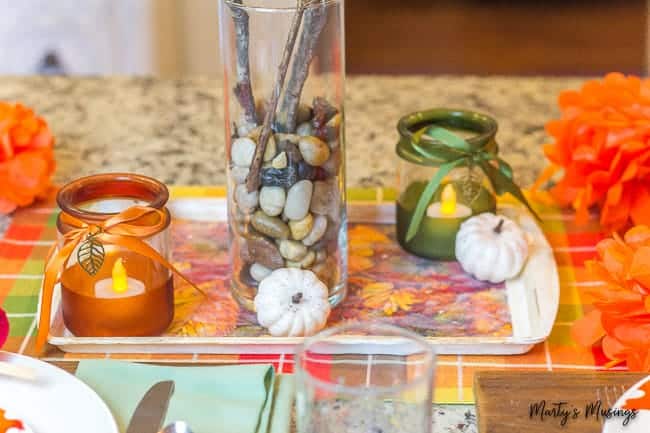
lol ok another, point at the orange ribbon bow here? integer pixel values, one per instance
(126, 229)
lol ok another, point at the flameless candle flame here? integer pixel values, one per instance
(448, 200)
(120, 278)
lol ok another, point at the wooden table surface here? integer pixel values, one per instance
(69, 366)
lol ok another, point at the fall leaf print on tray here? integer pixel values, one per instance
(385, 297)
(386, 283)
(201, 252)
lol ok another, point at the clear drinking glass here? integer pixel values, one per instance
(364, 378)
(287, 210)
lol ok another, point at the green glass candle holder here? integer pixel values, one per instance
(463, 179)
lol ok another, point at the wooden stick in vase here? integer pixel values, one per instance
(243, 89)
(315, 19)
(253, 179)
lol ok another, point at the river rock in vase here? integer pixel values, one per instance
(284, 223)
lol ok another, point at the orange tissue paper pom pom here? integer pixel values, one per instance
(601, 143)
(26, 157)
(620, 324)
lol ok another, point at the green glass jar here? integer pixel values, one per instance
(463, 188)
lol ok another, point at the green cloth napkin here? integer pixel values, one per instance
(227, 399)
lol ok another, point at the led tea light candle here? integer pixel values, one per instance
(120, 281)
(448, 207)
(117, 302)
(436, 237)
(120, 285)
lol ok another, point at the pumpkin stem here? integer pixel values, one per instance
(296, 298)
(499, 226)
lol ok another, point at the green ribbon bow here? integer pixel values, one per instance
(452, 151)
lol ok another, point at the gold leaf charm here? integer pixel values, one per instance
(470, 181)
(90, 255)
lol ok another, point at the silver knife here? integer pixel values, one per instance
(152, 409)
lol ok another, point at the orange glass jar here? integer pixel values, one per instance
(123, 293)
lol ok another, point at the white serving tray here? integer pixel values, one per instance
(533, 300)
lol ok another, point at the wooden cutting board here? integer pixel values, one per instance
(504, 399)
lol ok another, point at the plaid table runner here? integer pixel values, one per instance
(32, 231)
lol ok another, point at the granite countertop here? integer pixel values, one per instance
(173, 130)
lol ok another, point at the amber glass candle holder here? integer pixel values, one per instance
(129, 294)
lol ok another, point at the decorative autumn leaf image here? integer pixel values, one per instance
(90, 255)
(365, 234)
(186, 301)
(6, 424)
(363, 252)
(196, 316)
(359, 264)
(384, 296)
(398, 301)
(376, 294)
(362, 240)
(192, 328)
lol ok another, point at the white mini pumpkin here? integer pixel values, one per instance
(292, 303)
(491, 247)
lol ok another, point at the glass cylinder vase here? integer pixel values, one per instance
(462, 192)
(284, 80)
